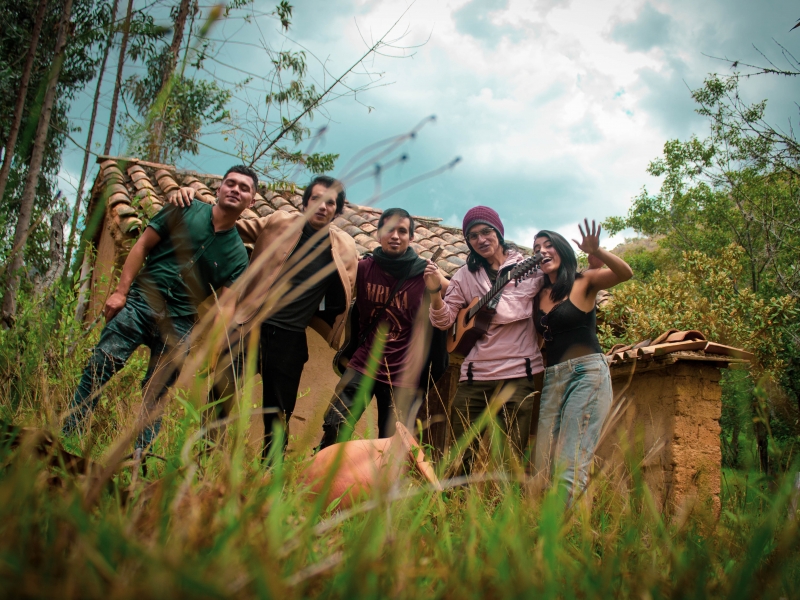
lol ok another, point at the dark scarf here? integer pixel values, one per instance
(408, 265)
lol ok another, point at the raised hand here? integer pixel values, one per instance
(591, 238)
(181, 197)
(432, 278)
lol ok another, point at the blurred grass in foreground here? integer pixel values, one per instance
(223, 525)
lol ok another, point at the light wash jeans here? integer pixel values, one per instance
(576, 400)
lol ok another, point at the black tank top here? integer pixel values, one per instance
(573, 332)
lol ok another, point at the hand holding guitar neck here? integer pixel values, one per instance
(432, 280)
(473, 320)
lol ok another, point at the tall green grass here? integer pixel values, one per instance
(223, 524)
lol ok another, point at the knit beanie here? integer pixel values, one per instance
(483, 214)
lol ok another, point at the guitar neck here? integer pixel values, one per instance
(499, 284)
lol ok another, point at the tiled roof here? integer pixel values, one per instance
(137, 189)
(691, 345)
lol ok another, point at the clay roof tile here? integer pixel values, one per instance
(130, 226)
(456, 260)
(115, 199)
(449, 237)
(113, 175)
(351, 230)
(421, 232)
(265, 210)
(137, 173)
(117, 188)
(125, 210)
(357, 220)
(143, 184)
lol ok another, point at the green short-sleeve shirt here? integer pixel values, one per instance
(189, 261)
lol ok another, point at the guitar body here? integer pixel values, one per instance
(467, 330)
(464, 333)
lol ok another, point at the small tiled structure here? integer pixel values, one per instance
(667, 395)
(667, 406)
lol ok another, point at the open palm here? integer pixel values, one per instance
(591, 238)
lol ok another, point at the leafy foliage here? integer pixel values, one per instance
(739, 185)
(705, 293)
(173, 108)
(222, 524)
(191, 105)
(171, 119)
(90, 18)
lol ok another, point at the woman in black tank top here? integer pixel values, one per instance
(577, 385)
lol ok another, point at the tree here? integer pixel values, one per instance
(192, 103)
(173, 108)
(22, 94)
(706, 293)
(739, 185)
(87, 150)
(112, 119)
(37, 156)
(77, 66)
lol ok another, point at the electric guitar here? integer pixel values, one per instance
(473, 320)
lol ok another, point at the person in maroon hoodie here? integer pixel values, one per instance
(394, 264)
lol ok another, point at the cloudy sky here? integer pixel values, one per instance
(554, 107)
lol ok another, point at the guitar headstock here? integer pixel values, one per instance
(524, 269)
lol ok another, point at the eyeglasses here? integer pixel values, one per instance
(485, 232)
(546, 333)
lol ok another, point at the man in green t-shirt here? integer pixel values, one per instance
(182, 256)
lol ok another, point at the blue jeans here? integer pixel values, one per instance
(576, 400)
(135, 325)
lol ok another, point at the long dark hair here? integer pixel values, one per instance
(567, 271)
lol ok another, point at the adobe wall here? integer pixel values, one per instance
(107, 263)
(316, 389)
(670, 416)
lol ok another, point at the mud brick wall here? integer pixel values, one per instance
(669, 419)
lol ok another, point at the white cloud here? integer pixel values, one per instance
(555, 107)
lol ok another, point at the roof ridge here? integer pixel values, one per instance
(137, 190)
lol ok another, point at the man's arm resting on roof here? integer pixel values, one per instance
(133, 264)
(249, 229)
(182, 197)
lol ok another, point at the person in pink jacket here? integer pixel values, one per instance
(507, 358)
